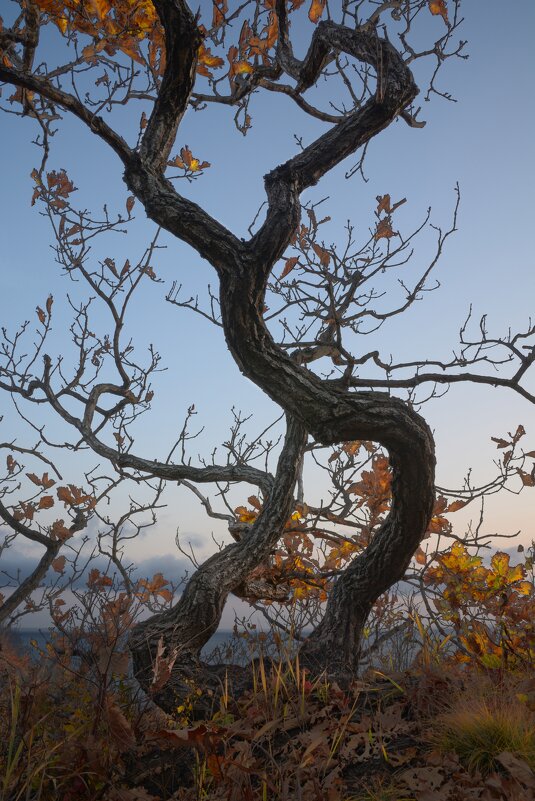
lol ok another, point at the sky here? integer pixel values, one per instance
(483, 141)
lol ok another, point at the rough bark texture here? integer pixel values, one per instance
(191, 623)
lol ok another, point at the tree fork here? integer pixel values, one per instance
(184, 629)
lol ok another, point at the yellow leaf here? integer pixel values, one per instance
(61, 22)
(242, 67)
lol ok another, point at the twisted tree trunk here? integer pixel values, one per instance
(326, 410)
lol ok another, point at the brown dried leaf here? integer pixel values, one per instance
(383, 204)
(163, 666)
(322, 254)
(517, 768)
(289, 266)
(119, 727)
(46, 502)
(527, 479)
(384, 229)
(58, 531)
(456, 505)
(58, 564)
(110, 263)
(520, 432)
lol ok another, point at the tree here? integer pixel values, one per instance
(160, 53)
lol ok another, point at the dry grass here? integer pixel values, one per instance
(483, 723)
(293, 736)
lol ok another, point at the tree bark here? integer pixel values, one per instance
(186, 627)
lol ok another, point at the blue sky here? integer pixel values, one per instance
(483, 141)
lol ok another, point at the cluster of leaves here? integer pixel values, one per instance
(491, 608)
(112, 26)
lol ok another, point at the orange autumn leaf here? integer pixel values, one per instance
(289, 266)
(383, 204)
(206, 61)
(456, 505)
(374, 488)
(187, 161)
(316, 10)
(439, 8)
(44, 481)
(420, 556)
(500, 567)
(46, 502)
(220, 8)
(58, 564)
(155, 584)
(100, 7)
(97, 579)
(384, 229)
(58, 531)
(245, 515)
(322, 254)
(74, 496)
(438, 524)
